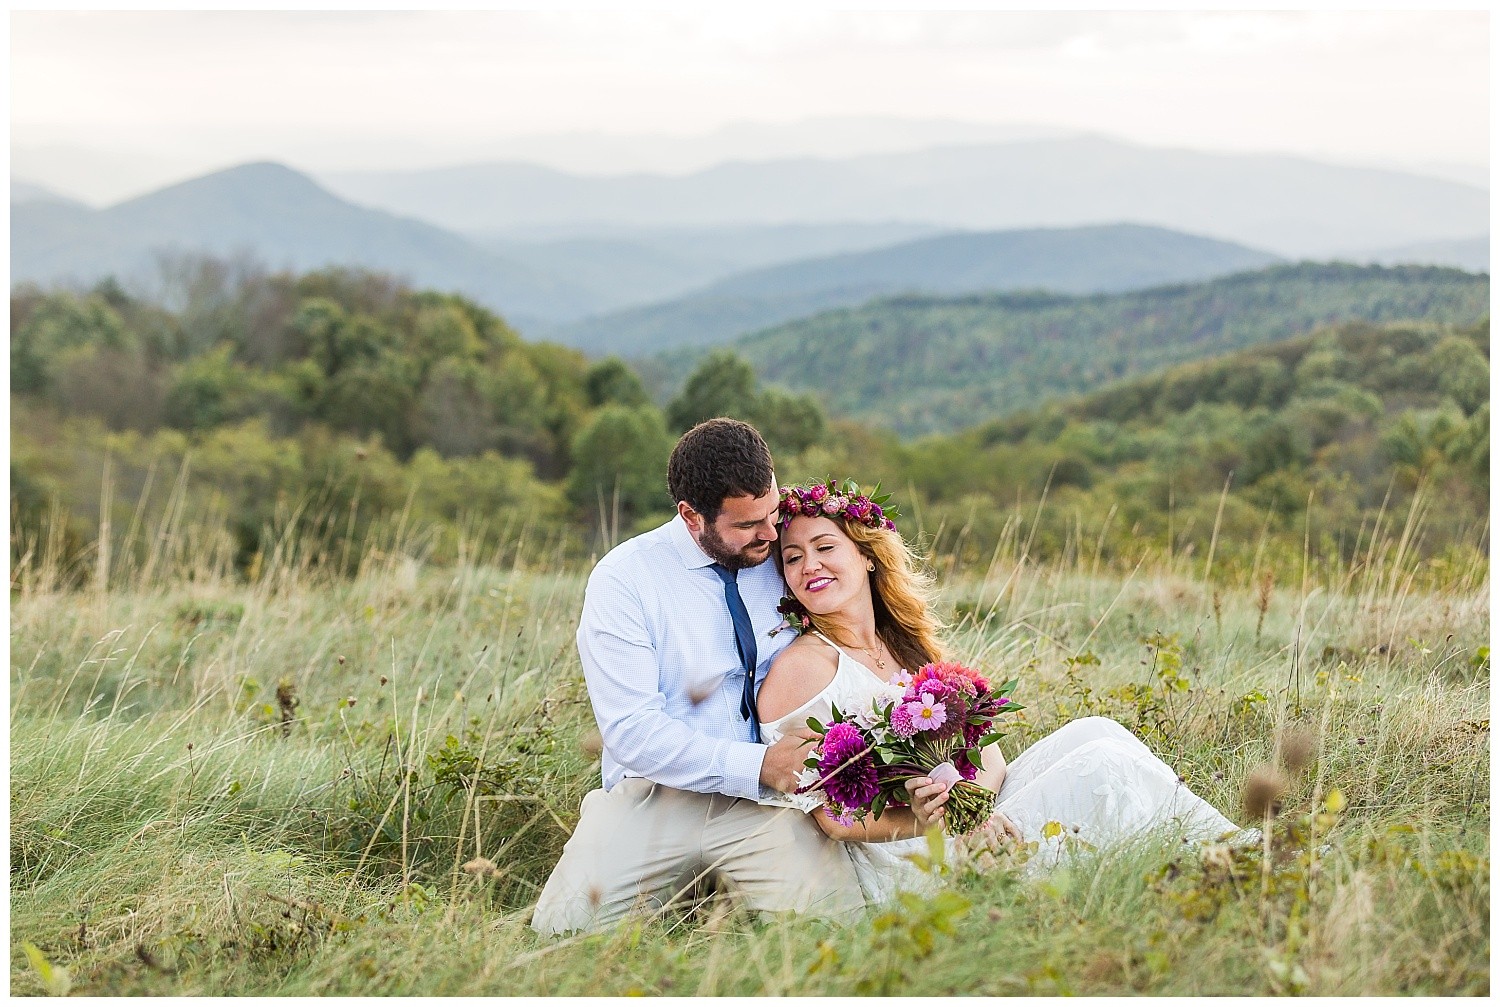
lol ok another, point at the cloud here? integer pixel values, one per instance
(1347, 84)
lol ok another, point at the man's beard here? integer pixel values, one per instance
(718, 551)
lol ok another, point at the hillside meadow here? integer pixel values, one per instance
(297, 560)
(295, 781)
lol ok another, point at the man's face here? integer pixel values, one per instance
(744, 532)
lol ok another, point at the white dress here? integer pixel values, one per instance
(1092, 777)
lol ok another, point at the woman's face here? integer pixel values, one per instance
(823, 567)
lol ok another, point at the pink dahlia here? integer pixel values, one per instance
(901, 723)
(955, 675)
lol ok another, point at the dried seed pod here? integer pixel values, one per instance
(1263, 792)
(1299, 746)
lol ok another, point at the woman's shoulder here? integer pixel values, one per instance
(802, 670)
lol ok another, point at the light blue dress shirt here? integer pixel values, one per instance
(658, 653)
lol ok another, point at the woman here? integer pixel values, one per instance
(866, 615)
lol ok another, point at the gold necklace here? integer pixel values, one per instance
(879, 661)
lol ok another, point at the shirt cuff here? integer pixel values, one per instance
(742, 777)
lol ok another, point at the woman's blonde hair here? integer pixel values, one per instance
(901, 592)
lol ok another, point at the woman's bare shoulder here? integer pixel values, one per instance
(802, 670)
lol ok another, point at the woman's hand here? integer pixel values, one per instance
(927, 800)
(1005, 826)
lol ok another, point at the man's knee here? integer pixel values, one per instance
(623, 856)
(781, 861)
(575, 911)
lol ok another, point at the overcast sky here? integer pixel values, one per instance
(337, 90)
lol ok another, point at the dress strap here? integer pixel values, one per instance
(830, 643)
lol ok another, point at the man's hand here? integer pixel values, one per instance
(784, 760)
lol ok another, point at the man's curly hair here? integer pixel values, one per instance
(719, 458)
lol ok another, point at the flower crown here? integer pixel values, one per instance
(833, 499)
(829, 499)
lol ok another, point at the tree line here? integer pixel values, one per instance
(342, 388)
(334, 402)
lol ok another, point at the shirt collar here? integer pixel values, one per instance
(693, 557)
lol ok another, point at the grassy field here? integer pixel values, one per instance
(312, 786)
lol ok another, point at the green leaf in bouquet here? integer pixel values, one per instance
(975, 759)
(1007, 688)
(812, 722)
(990, 739)
(837, 716)
(878, 805)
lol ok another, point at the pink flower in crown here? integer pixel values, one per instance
(818, 493)
(834, 504)
(858, 509)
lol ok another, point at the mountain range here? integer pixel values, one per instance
(639, 263)
(283, 219)
(1289, 206)
(1070, 260)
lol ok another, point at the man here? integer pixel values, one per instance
(674, 633)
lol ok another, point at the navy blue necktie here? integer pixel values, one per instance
(744, 642)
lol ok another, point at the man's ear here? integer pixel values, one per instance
(693, 518)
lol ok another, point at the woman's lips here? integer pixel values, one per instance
(819, 583)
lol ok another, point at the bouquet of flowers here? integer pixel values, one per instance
(934, 726)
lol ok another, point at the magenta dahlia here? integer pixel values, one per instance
(847, 767)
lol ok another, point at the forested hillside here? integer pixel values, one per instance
(924, 364)
(334, 401)
(351, 410)
(1325, 441)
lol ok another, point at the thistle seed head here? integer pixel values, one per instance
(1263, 792)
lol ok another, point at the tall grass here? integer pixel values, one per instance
(296, 780)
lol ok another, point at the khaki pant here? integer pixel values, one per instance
(641, 844)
